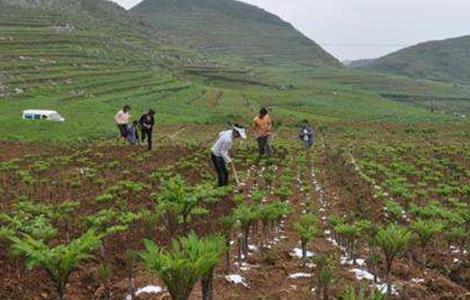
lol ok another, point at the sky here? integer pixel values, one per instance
(358, 29)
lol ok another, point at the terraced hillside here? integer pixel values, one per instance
(446, 60)
(80, 56)
(235, 30)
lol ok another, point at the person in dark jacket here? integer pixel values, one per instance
(306, 135)
(146, 122)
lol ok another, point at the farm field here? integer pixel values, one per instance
(365, 190)
(378, 209)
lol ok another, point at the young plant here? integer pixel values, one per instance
(456, 236)
(426, 230)
(247, 215)
(307, 229)
(180, 201)
(350, 233)
(324, 276)
(59, 261)
(190, 259)
(352, 294)
(104, 274)
(227, 224)
(393, 240)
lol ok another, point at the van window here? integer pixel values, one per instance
(28, 116)
(37, 117)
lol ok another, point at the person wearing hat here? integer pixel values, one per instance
(220, 151)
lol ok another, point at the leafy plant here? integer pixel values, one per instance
(227, 223)
(350, 233)
(394, 240)
(324, 275)
(352, 294)
(307, 229)
(426, 230)
(59, 261)
(180, 201)
(247, 215)
(190, 259)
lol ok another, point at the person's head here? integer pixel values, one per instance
(126, 108)
(304, 123)
(238, 131)
(135, 123)
(151, 113)
(263, 112)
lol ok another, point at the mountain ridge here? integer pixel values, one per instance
(442, 60)
(234, 28)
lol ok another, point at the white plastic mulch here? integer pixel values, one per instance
(237, 279)
(297, 252)
(299, 275)
(149, 289)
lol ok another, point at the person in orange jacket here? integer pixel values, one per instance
(262, 126)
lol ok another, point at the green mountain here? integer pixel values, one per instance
(234, 30)
(446, 60)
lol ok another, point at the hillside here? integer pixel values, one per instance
(84, 58)
(233, 29)
(446, 60)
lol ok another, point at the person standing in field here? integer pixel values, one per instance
(146, 122)
(262, 127)
(220, 151)
(122, 121)
(132, 133)
(306, 135)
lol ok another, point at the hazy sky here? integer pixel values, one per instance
(353, 29)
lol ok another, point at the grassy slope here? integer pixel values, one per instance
(447, 60)
(89, 71)
(233, 30)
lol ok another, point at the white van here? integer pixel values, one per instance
(38, 114)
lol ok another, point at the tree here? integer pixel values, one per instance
(190, 259)
(59, 261)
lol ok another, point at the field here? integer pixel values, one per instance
(356, 182)
(379, 206)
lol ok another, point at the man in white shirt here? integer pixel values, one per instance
(220, 151)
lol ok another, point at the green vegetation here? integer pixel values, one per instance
(445, 60)
(58, 261)
(234, 31)
(189, 260)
